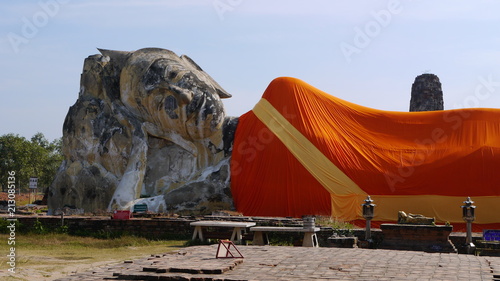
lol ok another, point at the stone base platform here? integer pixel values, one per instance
(428, 238)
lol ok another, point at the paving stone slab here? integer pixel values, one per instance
(300, 263)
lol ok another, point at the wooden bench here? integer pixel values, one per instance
(310, 238)
(237, 226)
(218, 235)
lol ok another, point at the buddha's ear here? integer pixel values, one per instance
(191, 62)
(220, 91)
(116, 57)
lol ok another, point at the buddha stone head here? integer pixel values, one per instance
(170, 93)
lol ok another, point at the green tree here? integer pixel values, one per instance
(52, 162)
(14, 153)
(29, 158)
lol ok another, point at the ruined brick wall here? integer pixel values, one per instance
(150, 228)
(426, 93)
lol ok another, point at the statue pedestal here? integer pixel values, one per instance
(428, 238)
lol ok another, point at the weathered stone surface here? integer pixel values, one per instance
(414, 237)
(148, 127)
(426, 93)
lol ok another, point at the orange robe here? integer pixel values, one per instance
(301, 151)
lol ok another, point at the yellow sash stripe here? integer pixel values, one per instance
(442, 208)
(331, 177)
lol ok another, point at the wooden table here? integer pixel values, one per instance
(310, 238)
(237, 226)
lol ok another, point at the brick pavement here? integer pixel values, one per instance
(299, 263)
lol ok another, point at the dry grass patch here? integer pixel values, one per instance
(51, 256)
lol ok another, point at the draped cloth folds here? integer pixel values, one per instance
(301, 151)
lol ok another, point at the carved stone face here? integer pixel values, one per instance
(172, 93)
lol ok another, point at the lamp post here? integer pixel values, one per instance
(368, 207)
(468, 214)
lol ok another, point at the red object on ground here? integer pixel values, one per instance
(226, 252)
(121, 215)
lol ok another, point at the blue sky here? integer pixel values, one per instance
(366, 52)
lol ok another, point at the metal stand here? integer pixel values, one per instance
(224, 250)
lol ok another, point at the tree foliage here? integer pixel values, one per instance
(29, 158)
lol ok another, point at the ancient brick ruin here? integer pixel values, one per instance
(426, 93)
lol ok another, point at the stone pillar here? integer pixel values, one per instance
(426, 93)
